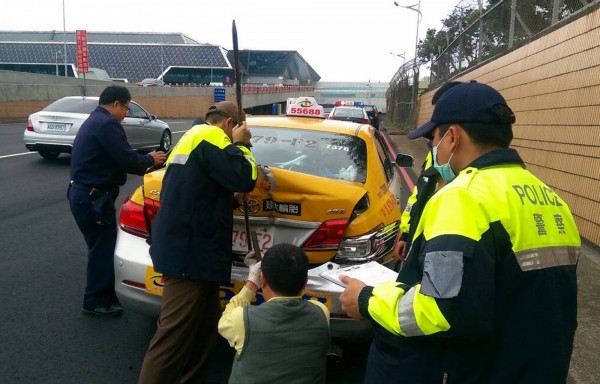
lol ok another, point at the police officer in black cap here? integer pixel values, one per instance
(100, 160)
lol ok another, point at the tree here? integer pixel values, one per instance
(466, 39)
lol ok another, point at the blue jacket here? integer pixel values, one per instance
(191, 234)
(101, 155)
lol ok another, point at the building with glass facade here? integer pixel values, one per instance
(173, 57)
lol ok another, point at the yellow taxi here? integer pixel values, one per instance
(328, 186)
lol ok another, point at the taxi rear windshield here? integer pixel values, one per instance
(348, 112)
(324, 154)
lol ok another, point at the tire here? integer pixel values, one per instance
(51, 155)
(165, 141)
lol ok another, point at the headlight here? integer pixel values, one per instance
(369, 246)
(357, 248)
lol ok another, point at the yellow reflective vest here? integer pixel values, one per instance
(496, 251)
(405, 220)
(191, 234)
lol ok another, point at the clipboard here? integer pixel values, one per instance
(371, 273)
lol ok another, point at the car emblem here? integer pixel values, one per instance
(253, 206)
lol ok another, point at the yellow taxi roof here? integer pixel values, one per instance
(311, 123)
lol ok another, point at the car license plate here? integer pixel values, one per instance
(239, 238)
(56, 127)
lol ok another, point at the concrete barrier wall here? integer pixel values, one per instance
(22, 94)
(553, 86)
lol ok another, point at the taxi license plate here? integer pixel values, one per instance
(239, 238)
(56, 127)
(154, 286)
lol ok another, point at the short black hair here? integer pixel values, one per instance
(114, 93)
(285, 267)
(486, 134)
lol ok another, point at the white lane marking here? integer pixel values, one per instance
(181, 131)
(17, 154)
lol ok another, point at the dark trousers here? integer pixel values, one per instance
(100, 240)
(187, 333)
(410, 364)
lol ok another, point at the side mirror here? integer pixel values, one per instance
(404, 161)
(152, 117)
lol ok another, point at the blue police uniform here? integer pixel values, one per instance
(100, 160)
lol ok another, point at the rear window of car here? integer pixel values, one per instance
(325, 154)
(73, 105)
(348, 112)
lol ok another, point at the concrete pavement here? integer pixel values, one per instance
(585, 362)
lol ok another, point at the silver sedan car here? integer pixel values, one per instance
(52, 130)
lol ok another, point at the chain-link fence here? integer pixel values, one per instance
(477, 31)
(401, 97)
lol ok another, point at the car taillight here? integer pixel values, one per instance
(365, 121)
(327, 237)
(151, 208)
(29, 125)
(135, 218)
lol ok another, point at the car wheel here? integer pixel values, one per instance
(49, 154)
(165, 141)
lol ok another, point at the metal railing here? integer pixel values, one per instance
(481, 32)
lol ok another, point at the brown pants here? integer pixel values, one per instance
(187, 333)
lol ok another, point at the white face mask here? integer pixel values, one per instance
(445, 170)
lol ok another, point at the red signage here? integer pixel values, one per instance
(82, 51)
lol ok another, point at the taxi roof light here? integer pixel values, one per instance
(304, 106)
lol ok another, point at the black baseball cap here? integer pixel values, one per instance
(470, 102)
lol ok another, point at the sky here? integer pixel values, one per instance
(347, 40)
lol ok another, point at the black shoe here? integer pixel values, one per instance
(110, 311)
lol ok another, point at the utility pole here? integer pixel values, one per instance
(64, 39)
(415, 92)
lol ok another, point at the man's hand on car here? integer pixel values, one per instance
(159, 157)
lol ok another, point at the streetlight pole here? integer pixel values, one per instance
(419, 17)
(57, 55)
(64, 39)
(400, 55)
(370, 86)
(416, 8)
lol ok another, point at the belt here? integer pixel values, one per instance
(86, 187)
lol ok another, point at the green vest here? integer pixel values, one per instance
(286, 342)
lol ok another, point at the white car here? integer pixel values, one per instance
(52, 130)
(152, 83)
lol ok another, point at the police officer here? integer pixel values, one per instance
(100, 160)
(496, 297)
(428, 182)
(191, 242)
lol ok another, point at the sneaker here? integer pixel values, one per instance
(110, 311)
